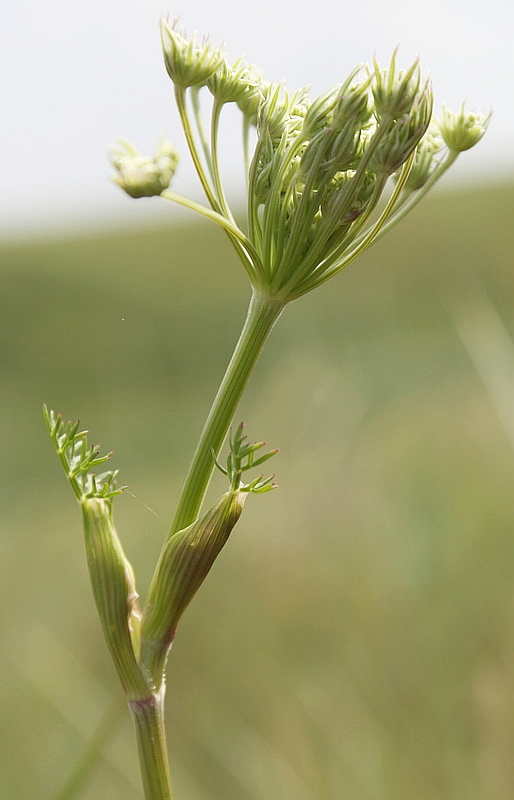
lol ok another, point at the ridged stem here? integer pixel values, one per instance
(148, 716)
(263, 312)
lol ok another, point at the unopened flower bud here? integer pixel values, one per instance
(339, 207)
(395, 90)
(320, 113)
(462, 130)
(184, 563)
(187, 62)
(404, 134)
(143, 176)
(233, 84)
(249, 102)
(395, 148)
(112, 577)
(425, 160)
(354, 102)
(112, 581)
(281, 115)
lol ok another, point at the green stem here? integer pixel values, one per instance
(247, 251)
(263, 312)
(180, 99)
(215, 124)
(195, 100)
(148, 716)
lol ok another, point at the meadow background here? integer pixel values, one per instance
(355, 639)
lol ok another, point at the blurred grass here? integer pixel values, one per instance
(355, 641)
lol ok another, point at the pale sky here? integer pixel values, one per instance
(76, 76)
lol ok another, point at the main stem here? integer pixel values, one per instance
(148, 716)
(263, 312)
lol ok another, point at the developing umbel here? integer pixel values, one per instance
(319, 168)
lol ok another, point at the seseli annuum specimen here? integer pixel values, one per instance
(325, 178)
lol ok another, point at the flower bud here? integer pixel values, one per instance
(353, 102)
(184, 563)
(238, 83)
(320, 113)
(399, 136)
(395, 148)
(112, 581)
(334, 125)
(187, 62)
(462, 130)
(395, 90)
(349, 101)
(279, 128)
(343, 206)
(143, 176)
(249, 102)
(425, 160)
(281, 115)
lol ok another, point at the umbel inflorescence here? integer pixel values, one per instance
(320, 168)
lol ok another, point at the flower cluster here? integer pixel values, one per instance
(143, 176)
(319, 168)
(188, 62)
(462, 130)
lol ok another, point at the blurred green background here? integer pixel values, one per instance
(355, 639)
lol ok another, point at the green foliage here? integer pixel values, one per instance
(78, 459)
(241, 458)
